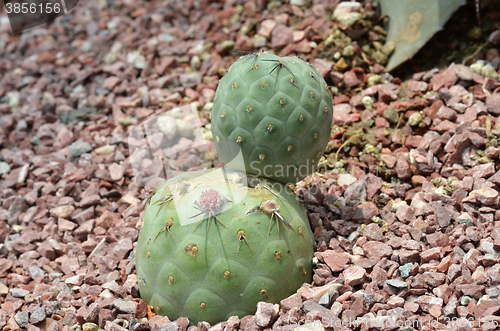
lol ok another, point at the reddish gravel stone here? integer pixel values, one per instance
(472, 290)
(417, 86)
(463, 72)
(281, 36)
(445, 126)
(323, 67)
(354, 275)
(342, 107)
(65, 225)
(411, 306)
(351, 79)
(62, 211)
(84, 215)
(486, 308)
(114, 327)
(486, 196)
(381, 122)
(266, 313)
(389, 160)
(446, 113)
(385, 94)
(482, 170)
(267, 27)
(116, 171)
(434, 279)
(446, 79)
(341, 119)
(395, 302)
(373, 232)
(377, 250)
(493, 103)
(437, 239)
(408, 256)
(430, 254)
(89, 201)
(125, 306)
(293, 301)
(405, 214)
(403, 168)
(110, 83)
(426, 302)
(336, 261)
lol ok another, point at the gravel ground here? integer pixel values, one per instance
(404, 209)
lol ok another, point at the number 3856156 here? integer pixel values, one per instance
(33, 8)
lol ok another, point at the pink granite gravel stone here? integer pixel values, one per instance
(444, 264)
(322, 66)
(445, 126)
(389, 160)
(417, 86)
(341, 119)
(110, 83)
(336, 261)
(446, 113)
(405, 214)
(281, 36)
(116, 171)
(351, 79)
(486, 308)
(373, 232)
(266, 313)
(354, 275)
(342, 107)
(486, 196)
(493, 103)
(385, 93)
(426, 302)
(377, 250)
(403, 168)
(395, 302)
(446, 79)
(293, 301)
(463, 72)
(482, 170)
(62, 211)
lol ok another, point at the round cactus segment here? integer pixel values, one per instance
(214, 243)
(273, 99)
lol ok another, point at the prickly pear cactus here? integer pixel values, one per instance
(277, 111)
(214, 243)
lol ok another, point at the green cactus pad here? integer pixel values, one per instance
(277, 111)
(216, 242)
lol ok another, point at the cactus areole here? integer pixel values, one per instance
(212, 246)
(276, 111)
